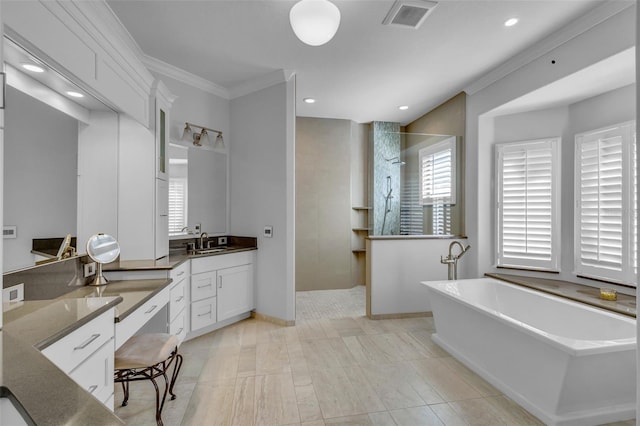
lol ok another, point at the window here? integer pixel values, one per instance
(438, 173)
(605, 194)
(528, 206)
(177, 205)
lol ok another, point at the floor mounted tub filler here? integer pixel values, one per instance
(565, 362)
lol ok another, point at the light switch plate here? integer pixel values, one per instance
(268, 231)
(13, 294)
(89, 269)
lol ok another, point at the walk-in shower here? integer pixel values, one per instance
(415, 182)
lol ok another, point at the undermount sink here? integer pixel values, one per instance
(209, 251)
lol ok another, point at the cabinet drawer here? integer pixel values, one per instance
(220, 261)
(134, 321)
(180, 273)
(203, 313)
(177, 299)
(203, 286)
(71, 350)
(95, 374)
(178, 326)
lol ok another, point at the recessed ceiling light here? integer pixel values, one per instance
(309, 100)
(32, 68)
(75, 94)
(403, 107)
(510, 22)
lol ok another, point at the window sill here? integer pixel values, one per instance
(625, 305)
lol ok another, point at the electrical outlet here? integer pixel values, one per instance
(13, 294)
(197, 228)
(222, 241)
(89, 269)
(268, 231)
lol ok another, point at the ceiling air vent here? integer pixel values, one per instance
(409, 14)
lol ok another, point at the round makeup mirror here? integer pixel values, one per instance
(102, 248)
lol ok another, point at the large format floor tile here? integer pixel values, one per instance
(325, 371)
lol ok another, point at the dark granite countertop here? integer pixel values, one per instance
(48, 395)
(625, 305)
(133, 293)
(175, 259)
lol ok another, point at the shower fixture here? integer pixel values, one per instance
(202, 137)
(396, 160)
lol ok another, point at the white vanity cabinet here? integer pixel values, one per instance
(87, 356)
(178, 296)
(221, 290)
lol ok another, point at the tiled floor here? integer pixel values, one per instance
(330, 304)
(346, 371)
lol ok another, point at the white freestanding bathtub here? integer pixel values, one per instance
(565, 362)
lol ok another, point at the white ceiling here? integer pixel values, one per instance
(367, 70)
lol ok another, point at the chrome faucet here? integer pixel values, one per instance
(452, 260)
(202, 237)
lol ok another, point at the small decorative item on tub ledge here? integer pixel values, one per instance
(607, 293)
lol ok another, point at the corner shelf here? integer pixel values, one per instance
(359, 250)
(361, 208)
(360, 229)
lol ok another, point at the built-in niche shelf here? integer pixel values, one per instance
(360, 226)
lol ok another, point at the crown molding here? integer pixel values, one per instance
(259, 83)
(183, 76)
(97, 18)
(570, 31)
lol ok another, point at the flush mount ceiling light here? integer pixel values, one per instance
(309, 100)
(403, 107)
(32, 68)
(201, 138)
(314, 22)
(510, 22)
(75, 94)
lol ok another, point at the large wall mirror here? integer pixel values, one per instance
(198, 191)
(40, 157)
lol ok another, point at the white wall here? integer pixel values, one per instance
(40, 175)
(262, 191)
(577, 53)
(397, 268)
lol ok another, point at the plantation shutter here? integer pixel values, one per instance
(527, 211)
(606, 230)
(177, 205)
(437, 173)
